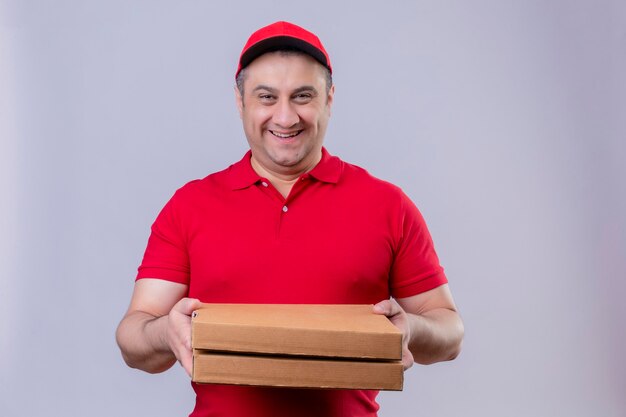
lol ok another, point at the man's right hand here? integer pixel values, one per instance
(156, 330)
(179, 331)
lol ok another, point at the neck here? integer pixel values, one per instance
(282, 181)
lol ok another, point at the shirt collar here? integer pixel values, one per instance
(242, 175)
(328, 168)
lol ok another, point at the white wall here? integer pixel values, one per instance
(503, 120)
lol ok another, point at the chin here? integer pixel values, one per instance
(287, 163)
(287, 159)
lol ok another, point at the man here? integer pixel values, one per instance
(289, 223)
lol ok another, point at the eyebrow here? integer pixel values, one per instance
(296, 91)
(264, 87)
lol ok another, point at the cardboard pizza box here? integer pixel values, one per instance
(293, 345)
(296, 372)
(345, 331)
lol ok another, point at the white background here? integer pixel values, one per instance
(505, 121)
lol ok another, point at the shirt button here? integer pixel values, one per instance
(264, 184)
(285, 209)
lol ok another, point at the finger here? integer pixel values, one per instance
(387, 307)
(187, 341)
(186, 306)
(184, 332)
(186, 361)
(382, 307)
(407, 359)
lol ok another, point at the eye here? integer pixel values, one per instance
(303, 97)
(266, 98)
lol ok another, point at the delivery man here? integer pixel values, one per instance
(289, 223)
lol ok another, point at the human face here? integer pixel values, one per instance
(285, 111)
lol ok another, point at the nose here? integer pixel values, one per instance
(285, 114)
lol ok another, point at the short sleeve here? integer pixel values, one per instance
(166, 256)
(416, 266)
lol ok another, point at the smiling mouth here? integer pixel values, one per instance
(285, 135)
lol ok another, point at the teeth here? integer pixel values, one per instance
(284, 135)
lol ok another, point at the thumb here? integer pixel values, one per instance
(187, 306)
(383, 307)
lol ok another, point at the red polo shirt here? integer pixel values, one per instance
(340, 237)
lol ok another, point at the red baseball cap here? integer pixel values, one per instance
(280, 35)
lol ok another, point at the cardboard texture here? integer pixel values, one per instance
(293, 345)
(296, 372)
(349, 331)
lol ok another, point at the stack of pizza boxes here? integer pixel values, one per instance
(295, 345)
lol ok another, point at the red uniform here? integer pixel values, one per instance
(340, 237)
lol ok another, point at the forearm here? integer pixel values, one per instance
(436, 335)
(142, 338)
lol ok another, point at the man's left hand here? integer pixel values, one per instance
(400, 319)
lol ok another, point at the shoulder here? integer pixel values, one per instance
(213, 183)
(197, 194)
(355, 176)
(195, 199)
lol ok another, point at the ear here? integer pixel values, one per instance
(330, 98)
(239, 102)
